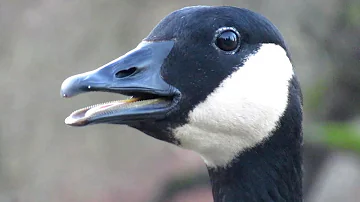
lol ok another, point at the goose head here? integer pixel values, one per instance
(215, 80)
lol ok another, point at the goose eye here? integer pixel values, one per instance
(227, 40)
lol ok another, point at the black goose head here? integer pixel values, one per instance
(213, 70)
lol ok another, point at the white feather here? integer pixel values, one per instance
(242, 111)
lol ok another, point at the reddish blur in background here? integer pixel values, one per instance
(42, 42)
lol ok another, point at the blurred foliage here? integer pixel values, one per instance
(353, 14)
(336, 135)
(182, 183)
(313, 96)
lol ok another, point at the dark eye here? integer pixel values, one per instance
(227, 40)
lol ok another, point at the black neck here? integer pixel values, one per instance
(270, 171)
(260, 175)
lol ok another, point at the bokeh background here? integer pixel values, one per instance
(42, 42)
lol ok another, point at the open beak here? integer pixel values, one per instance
(137, 74)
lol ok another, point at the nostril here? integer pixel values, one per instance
(126, 73)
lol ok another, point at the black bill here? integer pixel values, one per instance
(136, 74)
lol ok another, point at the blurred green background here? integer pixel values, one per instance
(42, 42)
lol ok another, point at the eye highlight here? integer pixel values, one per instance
(227, 39)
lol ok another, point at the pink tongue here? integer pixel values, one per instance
(105, 106)
(95, 109)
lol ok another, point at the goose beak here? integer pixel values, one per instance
(137, 74)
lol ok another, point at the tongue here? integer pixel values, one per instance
(99, 108)
(105, 106)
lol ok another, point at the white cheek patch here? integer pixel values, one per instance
(242, 111)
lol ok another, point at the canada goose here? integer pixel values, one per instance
(218, 81)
